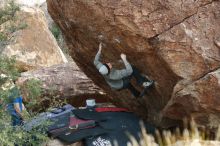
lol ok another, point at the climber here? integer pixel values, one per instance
(120, 79)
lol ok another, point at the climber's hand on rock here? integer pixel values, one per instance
(123, 56)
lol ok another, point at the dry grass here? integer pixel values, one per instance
(189, 136)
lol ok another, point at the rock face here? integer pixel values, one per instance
(176, 43)
(34, 45)
(64, 80)
(192, 52)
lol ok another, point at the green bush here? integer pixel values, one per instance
(55, 31)
(16, 135)
(8, 67)
(34, 90)
(8, 13)
(3, 37)
(15, 27)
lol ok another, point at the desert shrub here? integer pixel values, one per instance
(13, 27)
(55, 31)
(8, 67)
(33, 90)
(8, 16)
(10, 135)
(3, 37)
(8, 12)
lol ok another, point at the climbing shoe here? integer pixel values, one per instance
(148, 84)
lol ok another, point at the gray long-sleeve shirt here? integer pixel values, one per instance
(115, 77)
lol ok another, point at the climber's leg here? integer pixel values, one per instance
(141, 80)
(127, 85)
(133, 90)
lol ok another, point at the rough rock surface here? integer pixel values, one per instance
(192, 52)
(176, 43)
(33, 46)
(64, 80)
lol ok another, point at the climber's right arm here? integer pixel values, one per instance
(96, 62)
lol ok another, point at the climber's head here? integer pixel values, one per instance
(105, 68)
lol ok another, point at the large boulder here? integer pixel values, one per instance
(192, 51)
(176, 43)
(30, 40)
(65, 81)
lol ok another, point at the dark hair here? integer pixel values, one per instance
(106, 65)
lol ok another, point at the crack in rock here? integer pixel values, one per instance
(184, 19)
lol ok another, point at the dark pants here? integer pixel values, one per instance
(139, 79)
(17, 120)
